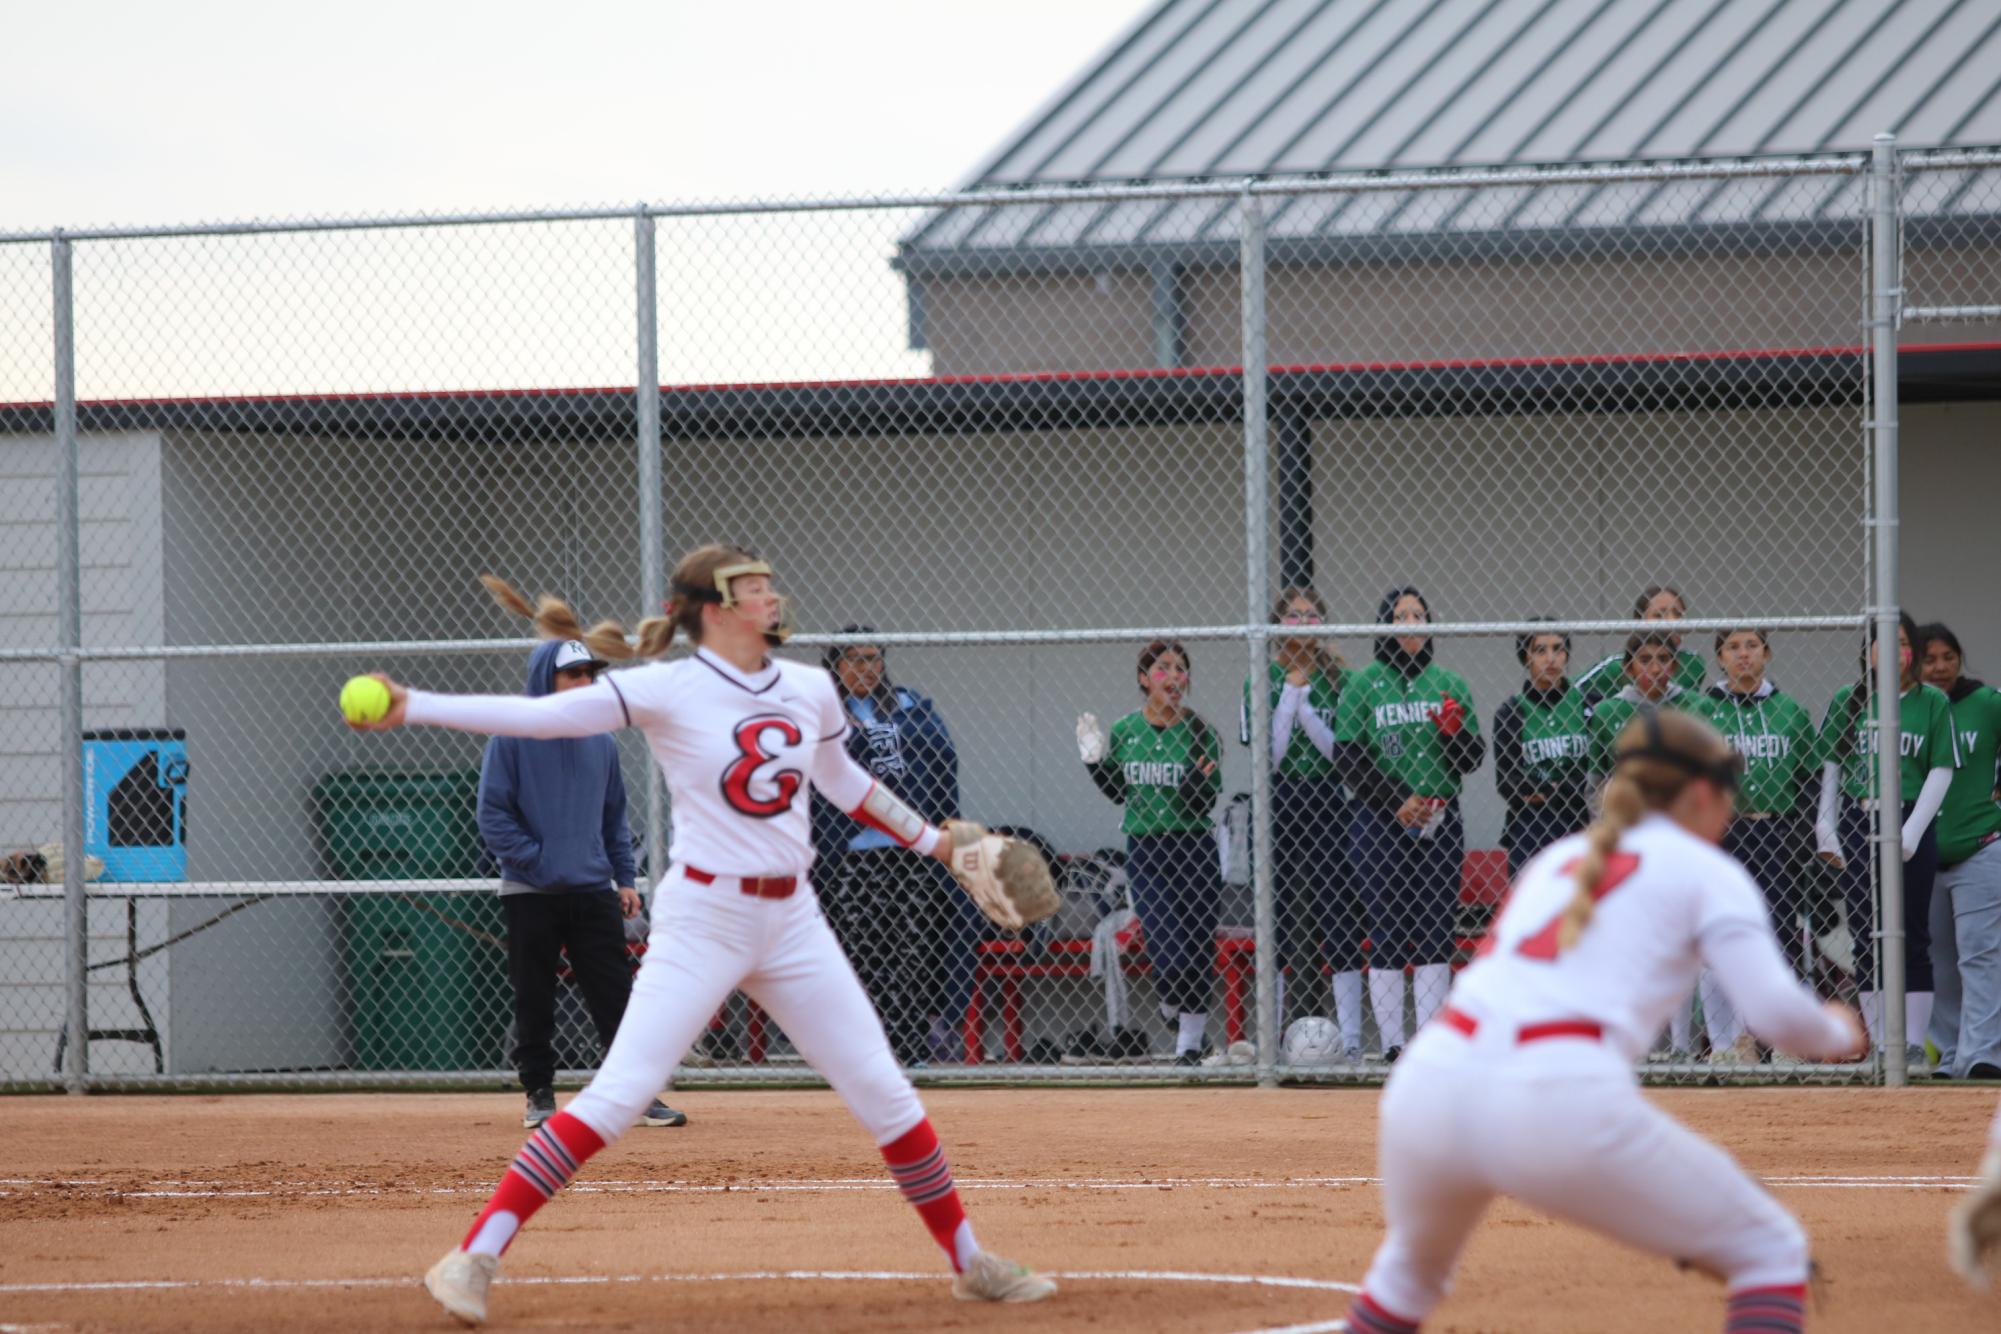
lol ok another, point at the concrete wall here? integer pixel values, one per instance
(1951, 542)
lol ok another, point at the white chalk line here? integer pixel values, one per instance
(741, 1276)
(197, 1189)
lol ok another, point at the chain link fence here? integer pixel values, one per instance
(1007, 456)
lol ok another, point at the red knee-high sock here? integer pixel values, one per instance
(1774, 1310)
(1366, 1317)
(544, 1166)
(917, 1161)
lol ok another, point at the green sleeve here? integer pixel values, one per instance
(1942, 733)
(1351, 718)
(1834, 728)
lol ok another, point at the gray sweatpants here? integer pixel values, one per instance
(1966, 958)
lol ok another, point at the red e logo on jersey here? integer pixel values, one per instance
(1542, 946)
(750, 735)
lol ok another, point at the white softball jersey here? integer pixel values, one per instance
(739, 749)
(1670, 905)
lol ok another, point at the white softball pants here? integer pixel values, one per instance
(710, 940)
(1561, 1126)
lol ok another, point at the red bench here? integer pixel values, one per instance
(1483, 885)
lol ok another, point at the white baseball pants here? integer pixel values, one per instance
(1560, 1125)
(709, 940)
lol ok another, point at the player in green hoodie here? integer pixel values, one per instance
(1649, 668)
(1312, 897)
(1771, 832)
(1542, 761)
(1160, 763)
(1966, 896)
(1656, 602)
(1929, 756)
(1405, 738)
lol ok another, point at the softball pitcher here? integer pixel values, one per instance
(1524, 1086)
(741, 738)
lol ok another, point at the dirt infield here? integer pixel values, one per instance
(1167, 1209)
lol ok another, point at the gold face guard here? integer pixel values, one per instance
(779, 632)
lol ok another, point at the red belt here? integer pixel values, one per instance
(757, 886)
(1557, 1028)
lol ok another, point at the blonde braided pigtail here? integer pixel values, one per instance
(1623, 805)
(555, 619)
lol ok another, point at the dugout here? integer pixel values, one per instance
(220, 523)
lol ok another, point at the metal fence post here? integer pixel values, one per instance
(1251, 261)
(69, 616)
(652, 539)
(1883, 251)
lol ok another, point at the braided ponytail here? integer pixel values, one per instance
(554, 619)
(607, 639)
(1660, 753)
(1621, 808)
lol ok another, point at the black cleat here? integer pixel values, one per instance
(541, 1106)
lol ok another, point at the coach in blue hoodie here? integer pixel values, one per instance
(552, 813)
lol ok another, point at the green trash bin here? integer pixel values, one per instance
(426, 973)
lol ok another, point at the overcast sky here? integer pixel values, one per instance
(202, 109)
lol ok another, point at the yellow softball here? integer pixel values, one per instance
(364, 700)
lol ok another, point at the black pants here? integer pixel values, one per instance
(1919, 872)
(1775, 851)
(1410, 886)
(895, 920)
(1529, 829)
(1318, 918)
(587, 925)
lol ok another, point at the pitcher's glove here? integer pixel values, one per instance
(1006, 877)
(1975, 1226)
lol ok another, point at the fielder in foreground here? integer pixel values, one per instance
(742, 738)
(1975, 1225)
(1524, 1086)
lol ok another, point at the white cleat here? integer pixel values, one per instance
(989, 1278)
(459, 1282)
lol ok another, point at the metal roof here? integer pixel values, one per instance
(1226, 88)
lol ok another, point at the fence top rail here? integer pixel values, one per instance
(384, 648)
(1371, 182)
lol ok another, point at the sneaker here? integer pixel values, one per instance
(987, 1279)
(1129, 1044)
(541, 1106)
(1983, 1070)
(1086, 1048)
(1352, 1055)
(459, 1282)
(1239, 1052)
(659, 1113)
(1390, 1055)
(1744, 1051)
(710, 1050)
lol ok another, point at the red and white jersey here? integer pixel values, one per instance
(1669, 906)
(740, 751)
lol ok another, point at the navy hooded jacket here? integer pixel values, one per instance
(552, 813)
(909, 750)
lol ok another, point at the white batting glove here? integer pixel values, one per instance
(1090, 739)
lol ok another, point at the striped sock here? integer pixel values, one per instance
(1774, 1310)
(544, 1166)
(1365, 1317)
(917, 1162)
